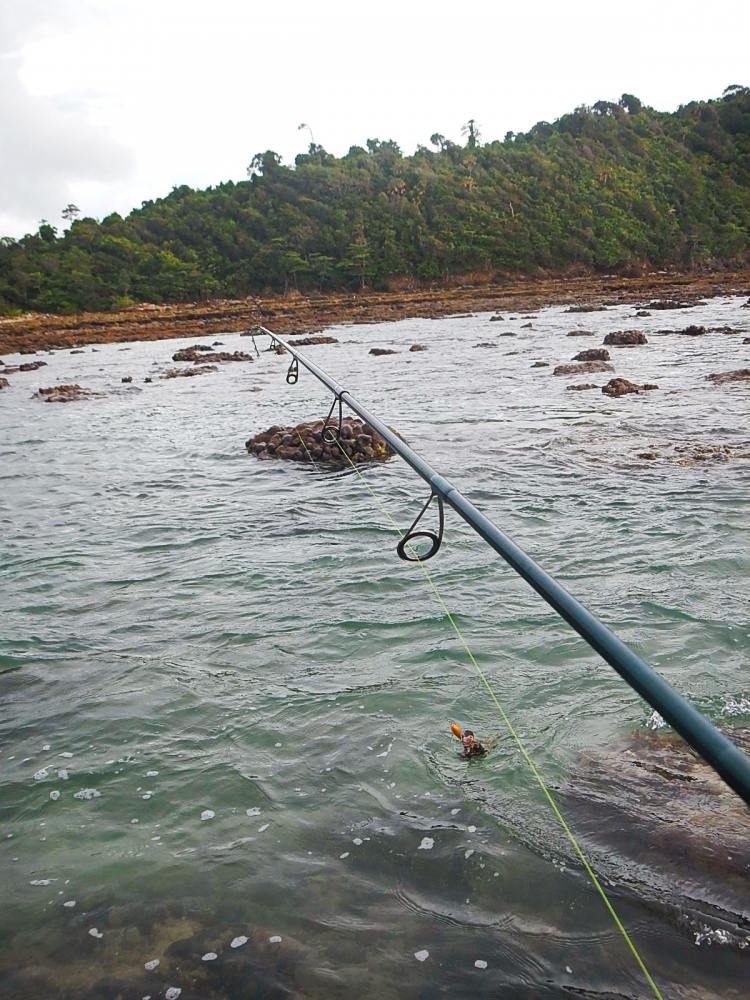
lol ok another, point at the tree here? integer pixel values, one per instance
(471, 131)
(71, 212)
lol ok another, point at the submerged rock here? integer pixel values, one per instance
(739, 375)
(63, 393)
(670, 304)
(4, 383)
(593, 354)
(643, 312)
(622, 387)
(540, 364)
(377, 351)
(625, 338)
(497, 318)
(583, 369)
(205, 356)
(585, 309)
(358, 443)
(32, 366)
(692, 331)
(580, 333)
(485, 344)
(417, 347)
(187, 372)
(580, 386)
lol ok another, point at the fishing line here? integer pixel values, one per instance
(517, 739)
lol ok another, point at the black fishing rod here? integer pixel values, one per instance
(718, 751)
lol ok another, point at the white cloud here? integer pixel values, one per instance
(117, 101)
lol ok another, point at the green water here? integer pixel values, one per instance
(191, 633)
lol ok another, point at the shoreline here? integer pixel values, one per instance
(297, 313)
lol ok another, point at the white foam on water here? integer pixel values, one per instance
(344, 855)
(275, 939)
(151, 965)
(207, 814)
(569, 970)
(43, 881)
(480, 964)
(386, 751)
(455, 812)
(422, 956)
(238, 941)
(655, 721)
(173, 992)
(63, 774)
(427, 844)
(95, 933)
(147, 795)
(41, 775)
(255, 811)
(65, 753)
(70, 903)
(151, 774)
(88, 793)
(736, 706)
(46, 747)
(135, 821)
(210, 956)
(358, 841)
(262, 829)
(471, 829)
(54, 795)
(468, 854)
(277, 745)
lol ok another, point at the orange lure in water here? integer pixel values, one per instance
(456, 730)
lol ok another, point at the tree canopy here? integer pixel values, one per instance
(611, 187)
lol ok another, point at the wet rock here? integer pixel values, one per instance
(62, 393)
(506, 333)
(127, 378)
(4, 383)
(377, 351)
(580, 386)
(649, 455)
(27, 350)
(583, 369)
(625, 338)
(527, 326)
(187, 372)
(358, 443)
(746, 340)
(31, 366)
(739, 375)
(150, 379)
(581, 333)
(417, 347)
(497, 318)
(540, 364)
(485, 345)
(643, 312)
(584, 309)
(11, 370)
(219, 357)
(218, 343)
(276, 349)
(622, 387)
(670, 304)
(593, 354)
(191, 353)
(311, 341)
(692, 331)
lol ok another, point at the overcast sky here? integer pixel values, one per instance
(107, 103)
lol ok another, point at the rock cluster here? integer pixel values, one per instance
(739, 375)
(62, 393)
(583, 369)
(377, 351)
(669, 304)
(593, 354)
(305, 443)
(205, 356)
(622, 387)
(625, 338)
(580, 386)
(27, 366)
(311, 341)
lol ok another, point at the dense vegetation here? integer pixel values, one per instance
(610, 187)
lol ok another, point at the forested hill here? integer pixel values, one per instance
(610, 187)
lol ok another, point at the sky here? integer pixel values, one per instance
(108, 103)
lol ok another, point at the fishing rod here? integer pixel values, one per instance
(716, 749)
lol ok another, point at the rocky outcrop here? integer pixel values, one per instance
(187, 372)
(739, 375)
(379, 351)
(358, 443)
(497, 319)
(670, 304)
(4, 383)
(694, 454)
(580, 386)
(63, 393)
(622, 387)
(32, 366)
(583, 369)
(593, 354)
(205, 356)
(311, 341)
(417, 347)
(625, 338)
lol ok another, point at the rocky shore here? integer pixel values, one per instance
(296, 313)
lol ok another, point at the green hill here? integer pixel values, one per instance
(613, 187)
